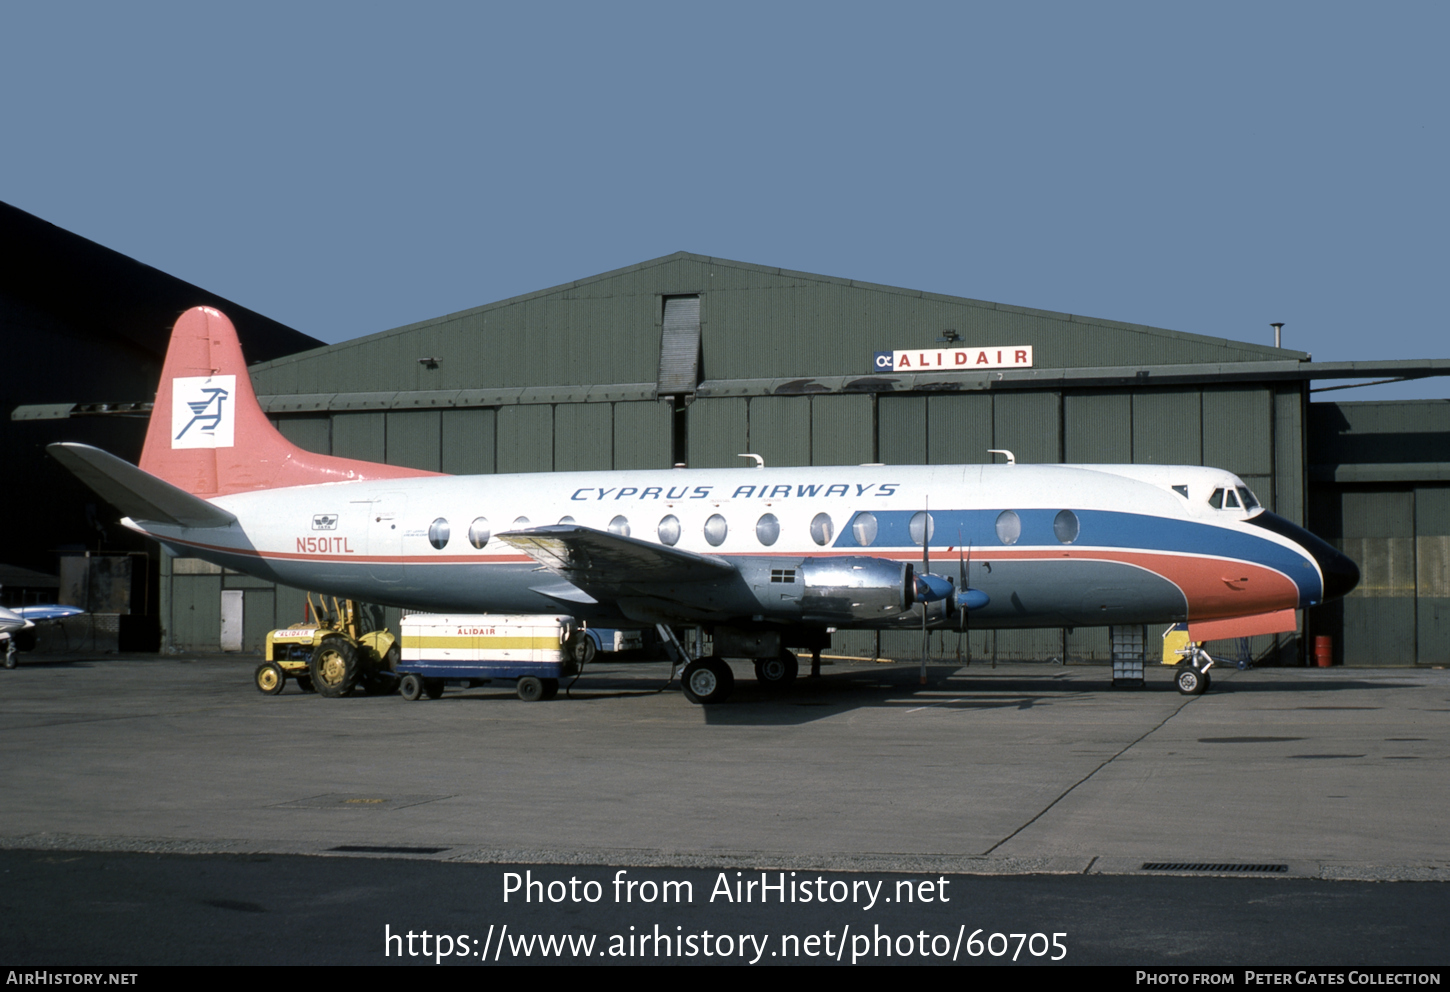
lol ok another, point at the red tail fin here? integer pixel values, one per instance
(209, 436)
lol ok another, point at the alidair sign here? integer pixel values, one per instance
(955, 359)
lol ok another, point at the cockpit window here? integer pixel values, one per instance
(1216, 500)
(1231, 500)
(1251, 502)
(1181, 490)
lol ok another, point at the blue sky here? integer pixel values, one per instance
(347, 168)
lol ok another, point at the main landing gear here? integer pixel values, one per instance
(778, 672)
(707, 680)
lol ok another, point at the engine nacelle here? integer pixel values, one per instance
(843, 590)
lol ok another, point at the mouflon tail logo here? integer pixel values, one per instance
(202, 415)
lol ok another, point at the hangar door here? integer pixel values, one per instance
(1400, 612)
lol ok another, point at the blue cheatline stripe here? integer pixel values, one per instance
(977, 529)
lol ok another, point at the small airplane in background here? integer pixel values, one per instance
(18, 625)
(765, 559)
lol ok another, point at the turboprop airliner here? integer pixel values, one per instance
(765, 559)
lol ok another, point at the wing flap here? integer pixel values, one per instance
(136, 493)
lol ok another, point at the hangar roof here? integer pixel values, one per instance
(756, 323)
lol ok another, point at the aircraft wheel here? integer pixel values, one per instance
(777, 673)
(10, 661)
(708, 680)
(551, 688)
(334, 667)
(530, 689)
(411, 687)
(433, 688)
(1207, 682)
(269, 678)
(1191, 682)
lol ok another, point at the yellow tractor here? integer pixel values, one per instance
(329, 654)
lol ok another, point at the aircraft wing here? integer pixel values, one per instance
(596, 559)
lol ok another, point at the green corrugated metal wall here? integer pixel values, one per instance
(755, 321)
(1381, 494)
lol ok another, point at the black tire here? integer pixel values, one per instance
(334, 667)
(304, 682)
(584, 649)
(269, 678)
(551, 688)
(1207, 682)
(777, 673)
(1190, 681)
(530, 689)
(707, 680)
(380, 683)
(433, 688)
(410, 687)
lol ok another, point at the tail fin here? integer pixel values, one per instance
(209, 436)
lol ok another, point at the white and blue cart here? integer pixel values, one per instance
(534, 650)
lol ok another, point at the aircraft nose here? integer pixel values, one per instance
(1341, 574)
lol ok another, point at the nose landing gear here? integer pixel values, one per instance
(1192, 677)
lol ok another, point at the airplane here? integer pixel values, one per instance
(17, 626)
(765, 559)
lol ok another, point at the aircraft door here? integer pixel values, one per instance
(385, 537)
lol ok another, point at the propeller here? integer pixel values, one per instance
(968, 599)
(922, 581)
(963, 624)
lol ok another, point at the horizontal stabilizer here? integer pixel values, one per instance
(593, 558)
(135, 493)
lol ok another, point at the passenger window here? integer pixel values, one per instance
(767, 529)
(669, 530)
(922, 528)
(1009, 527)
(1065, 526)
(715, 530)
(478, 532)
(822, 530)
(1216, 500)
(863, 528)
(438, 533)
(619, 525)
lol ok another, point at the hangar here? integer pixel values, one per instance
(688, 359)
